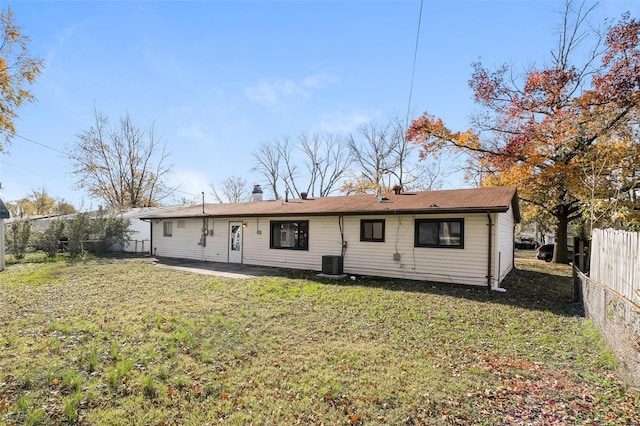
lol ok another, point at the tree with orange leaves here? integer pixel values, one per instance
(18, 70)
(540, 132)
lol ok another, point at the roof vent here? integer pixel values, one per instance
(303, 195)
(256, 194)
(397, 189)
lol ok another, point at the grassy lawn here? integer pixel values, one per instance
(120, 342)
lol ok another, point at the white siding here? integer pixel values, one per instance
(183, 243)
(465, 266)
(503, 258)
(324, 239)
(139, 240)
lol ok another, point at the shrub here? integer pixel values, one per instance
(96, 232)
(108, 229)
(17, 238)
(50, 239)
(78, 233)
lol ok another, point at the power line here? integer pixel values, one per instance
(41, 144)
(66, 155)
(413, 71)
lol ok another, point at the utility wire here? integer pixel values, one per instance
(41, 144)
(196, 196)
(413, 71)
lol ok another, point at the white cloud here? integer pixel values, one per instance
(273, 94)
(341, 121)
(194, 132)
(318, 80)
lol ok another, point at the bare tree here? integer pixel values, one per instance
(373, 150)
(234, 190)
(326, 160)
(267, 163)
(385, 158)
(121, 164)
(288, 165)
(314, 163)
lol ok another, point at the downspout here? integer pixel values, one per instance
(490, 246)
(342, 242)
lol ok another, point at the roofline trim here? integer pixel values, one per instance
(390, 212)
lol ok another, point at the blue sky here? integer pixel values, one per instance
(217, 78)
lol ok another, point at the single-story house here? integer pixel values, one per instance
(461, 236)
(4, 214)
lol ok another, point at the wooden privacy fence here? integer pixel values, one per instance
(615, 262)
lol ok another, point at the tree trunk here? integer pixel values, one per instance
(560, 254)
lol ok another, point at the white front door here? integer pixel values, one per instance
(235, 242)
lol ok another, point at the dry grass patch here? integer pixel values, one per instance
(123, 342)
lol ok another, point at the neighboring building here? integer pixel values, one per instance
(550, 237)
(4, 214)
(139, 239)
(460, 236)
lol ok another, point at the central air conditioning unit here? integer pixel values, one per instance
(332, 265)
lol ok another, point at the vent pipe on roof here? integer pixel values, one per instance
(397, 189)
(303, 195)
(256, 194)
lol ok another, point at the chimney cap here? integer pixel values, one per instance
(256, 194)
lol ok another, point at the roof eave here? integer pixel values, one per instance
(392, 212)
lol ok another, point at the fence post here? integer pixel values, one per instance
(577, 284)
(580, 254)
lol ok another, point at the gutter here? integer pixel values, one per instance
(388, 212)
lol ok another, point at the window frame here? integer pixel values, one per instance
(363, 237)
(279, 223)
(416, 239)
(167, 225)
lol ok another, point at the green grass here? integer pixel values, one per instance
(122, 342)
